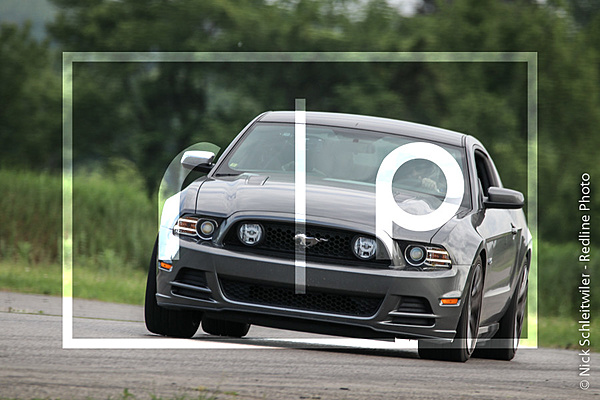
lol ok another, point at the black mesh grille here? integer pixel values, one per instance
(279, 239)
(277, 296)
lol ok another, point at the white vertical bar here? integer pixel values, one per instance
(532, 200)
(300, 193)
(67, 217)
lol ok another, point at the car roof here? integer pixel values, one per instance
(377, 124)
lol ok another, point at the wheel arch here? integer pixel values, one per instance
(522, 262)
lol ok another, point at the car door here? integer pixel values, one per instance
(500, 235)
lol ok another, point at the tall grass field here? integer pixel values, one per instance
(114, 220)
(114, 228)
(114, 224)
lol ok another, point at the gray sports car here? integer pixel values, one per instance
(345, 225)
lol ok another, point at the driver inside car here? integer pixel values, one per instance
(418, 174)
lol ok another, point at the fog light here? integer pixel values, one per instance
(364, 247)
(250, 234)
(415, 255)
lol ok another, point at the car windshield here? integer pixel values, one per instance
(341, 155)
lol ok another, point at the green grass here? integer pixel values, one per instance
(31, 217)
(113, 220)
(113, 217)
(21, 277)
(114, 228)
(118, 284)
(560, 276)
(561, 332)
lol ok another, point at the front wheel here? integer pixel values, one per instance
(505, 342)
(163, 321)
(462, 347)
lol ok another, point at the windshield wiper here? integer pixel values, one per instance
(229, 174)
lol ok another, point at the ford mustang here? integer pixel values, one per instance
(345, 225)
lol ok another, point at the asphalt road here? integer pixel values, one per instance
(276, 365)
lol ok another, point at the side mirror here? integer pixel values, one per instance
(504, 198)
(198, 160)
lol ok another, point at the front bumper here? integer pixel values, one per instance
(342, 300)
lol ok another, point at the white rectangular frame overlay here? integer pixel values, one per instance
(530, 58)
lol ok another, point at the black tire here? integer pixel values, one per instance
(219, 327)
(163, 321)
(461, 349)
(504, 344)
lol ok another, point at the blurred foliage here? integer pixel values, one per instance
(30, 101)
(145, 113)
(31, 216)
(559, 277)
(114, 222)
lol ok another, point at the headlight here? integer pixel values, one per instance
(206, 228)
(364, 247)
(438, 257)
(415, 255)
(196, 226)
(428, 256)
(250, 234)
(186, 226)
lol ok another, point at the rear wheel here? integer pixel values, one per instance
(464, 343)
(163, 321)
(220, 327)
(505, 342)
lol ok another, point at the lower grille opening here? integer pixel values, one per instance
(192, 277)
(417, 305)
(195, 283)
(413, 321)
(280, 296)
(413, 305)
(191, 293)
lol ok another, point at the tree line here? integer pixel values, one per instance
(139, 115)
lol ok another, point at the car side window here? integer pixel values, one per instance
(484, 175)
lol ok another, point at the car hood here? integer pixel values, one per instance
(331, 202)
(269, 194)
